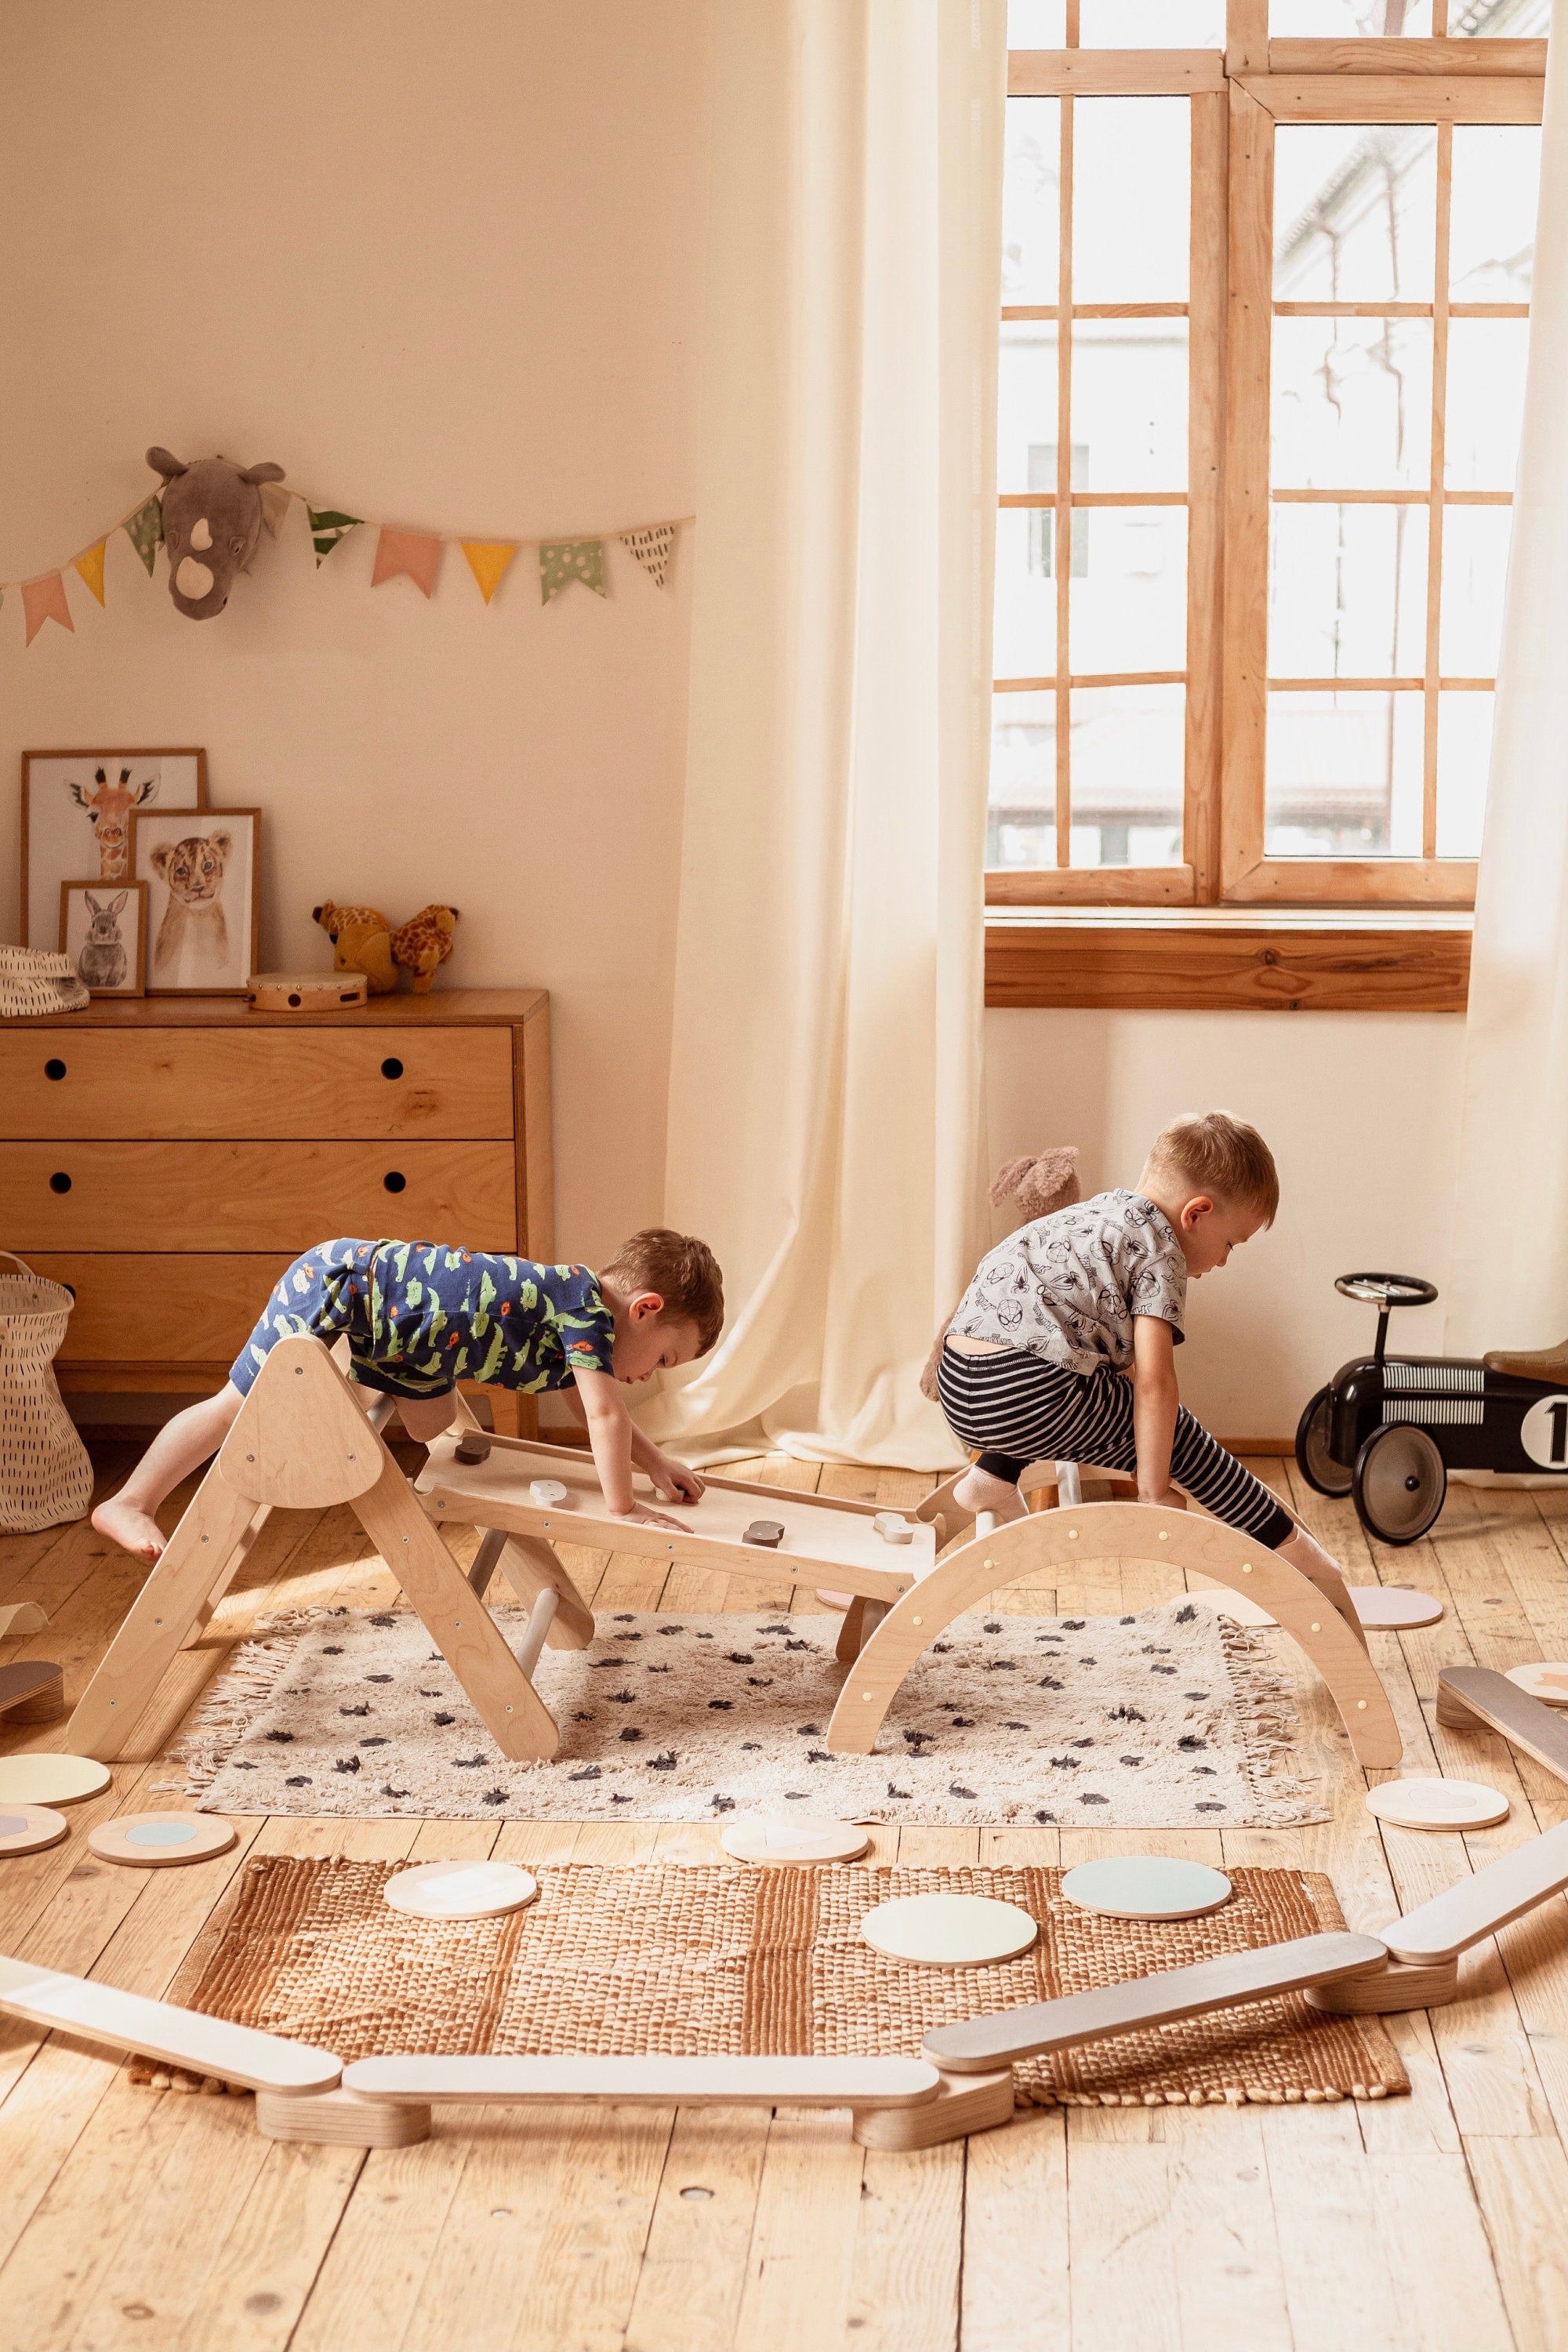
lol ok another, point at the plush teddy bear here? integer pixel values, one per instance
(1040, 1183)
(422, 944)
(361, 941)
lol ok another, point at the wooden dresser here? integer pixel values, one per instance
(168, 1156)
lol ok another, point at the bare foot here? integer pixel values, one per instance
(132, 1530)
(978, 1491)
(1303, 1552)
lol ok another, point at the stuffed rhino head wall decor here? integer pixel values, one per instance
(213, 514)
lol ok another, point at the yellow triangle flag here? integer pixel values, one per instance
(487, 560)
(90, 567)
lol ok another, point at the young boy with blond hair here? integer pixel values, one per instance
(421, 1316)
(1063, 1348)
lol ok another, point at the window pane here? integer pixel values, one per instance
(1129, 604)
(1131, 160)
(1023, 631)
(1347, 592)
(1021, 829)
(1486, 401)
(1464, 754)
(1026, 401)
(1355, 212)
(1492, 235)
(1343, 775)
(1037, 24)
(1475, 565)
(1352, 403)
(1151, 24)
(1030, 187)
(1326, 20)
(1128, 750)
(1130, 401)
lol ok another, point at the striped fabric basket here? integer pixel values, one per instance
(45, 1475)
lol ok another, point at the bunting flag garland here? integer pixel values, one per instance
(563, 559)
(487, 560)
(145, 530)
(410, 553)
(653, 549)
(328, 526)
(44, 599)
(414, 555)
(90, 567)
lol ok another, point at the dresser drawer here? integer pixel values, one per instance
(150, 1308)
(250, 1197)
(404, 1081)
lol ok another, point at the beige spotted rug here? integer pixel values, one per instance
(1171, 1717)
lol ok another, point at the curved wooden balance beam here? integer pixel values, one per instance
(896, 2102)
(1065, 1539)
(302, 1441)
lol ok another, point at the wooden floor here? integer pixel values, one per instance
(1435, 2222)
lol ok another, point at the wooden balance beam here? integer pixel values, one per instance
(263, 2062)
(1470, 1695)
(303, 1440)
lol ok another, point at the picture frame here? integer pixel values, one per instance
(103, 929)
(203, 872)
(76, 812)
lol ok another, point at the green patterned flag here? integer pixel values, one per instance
(145, 529)
(562, 560)
(327, 527)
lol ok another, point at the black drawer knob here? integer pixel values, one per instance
(60, 1181)
(55, 1068)
(394, 1181)
(392, 1067)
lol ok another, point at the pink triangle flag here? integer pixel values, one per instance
(411, 551)
(44, 599)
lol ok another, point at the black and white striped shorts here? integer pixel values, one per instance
(1017, 1409)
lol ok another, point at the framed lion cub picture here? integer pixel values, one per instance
(203, 872)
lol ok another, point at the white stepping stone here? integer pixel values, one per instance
(949, 1931)
(1146, 1886)
(785, 1840)
(461, 1890)
(1418, 1804)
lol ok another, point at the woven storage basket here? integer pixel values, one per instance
(45, 1474)
(33, 982)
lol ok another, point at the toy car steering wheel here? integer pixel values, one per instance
(1385, 1290)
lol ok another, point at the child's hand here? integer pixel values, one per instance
(639, 1516)
(675, 1482)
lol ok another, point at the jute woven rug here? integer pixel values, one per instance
(1169, 1718)
(706, 1958)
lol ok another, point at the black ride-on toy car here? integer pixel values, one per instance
(1388, 1429)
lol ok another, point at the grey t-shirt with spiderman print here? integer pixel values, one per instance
(1068, 1286)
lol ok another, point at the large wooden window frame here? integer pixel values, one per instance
(1236, 97)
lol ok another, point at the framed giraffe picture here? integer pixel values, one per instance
(77, 808)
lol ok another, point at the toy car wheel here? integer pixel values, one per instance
(1399, 1482)
(1313, 1459)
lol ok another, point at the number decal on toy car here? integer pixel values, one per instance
(1543, 1432)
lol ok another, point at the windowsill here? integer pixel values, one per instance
(1228, 958)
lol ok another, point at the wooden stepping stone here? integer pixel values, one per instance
(949, 1931)
(1547, 1681)
(160, 1840)
(461, 1890)
(19, 1617)
(1146, 1886)
(791, 1841)
(1419, 1804)
(1391, 1608)
(27, 1828)
(32, 1690)
(46, 1780)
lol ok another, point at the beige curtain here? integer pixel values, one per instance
(1508, 1283)
(825, 1107)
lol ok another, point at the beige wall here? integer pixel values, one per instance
(440, 263)
(1361, 1110)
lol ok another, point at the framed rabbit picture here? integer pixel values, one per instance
(203, 873)
(103, 929)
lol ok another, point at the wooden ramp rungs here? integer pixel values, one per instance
(649, 2081)
(1480, 1906)
(1471, 1695)
(156, 2029)
(982, 2043)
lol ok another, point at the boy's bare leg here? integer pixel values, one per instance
(979, 1490)
(1304, 1552)
(127, 1519)
(424, 1418)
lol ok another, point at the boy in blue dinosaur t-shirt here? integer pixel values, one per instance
(421, 1316)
